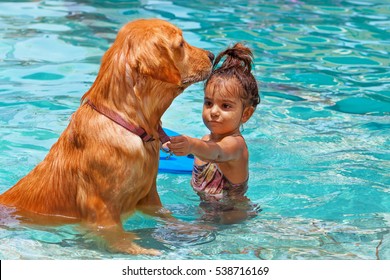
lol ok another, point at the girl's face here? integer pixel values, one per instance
(223, 109)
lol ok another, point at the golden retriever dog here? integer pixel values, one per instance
(104, 165)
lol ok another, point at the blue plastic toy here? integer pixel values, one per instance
(175, 164)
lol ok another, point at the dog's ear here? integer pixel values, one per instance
(159, 66)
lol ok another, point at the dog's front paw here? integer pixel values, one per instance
(132, 249)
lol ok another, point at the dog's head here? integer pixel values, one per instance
(146, 67)
(157, 49)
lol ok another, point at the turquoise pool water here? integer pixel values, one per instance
(319, 141)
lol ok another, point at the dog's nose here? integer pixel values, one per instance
(211, 56)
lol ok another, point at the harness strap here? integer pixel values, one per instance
(164, 138)
(137, 130)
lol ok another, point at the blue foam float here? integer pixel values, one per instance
(175, 164)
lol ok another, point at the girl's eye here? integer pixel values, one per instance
(207, 103)
(226, 106)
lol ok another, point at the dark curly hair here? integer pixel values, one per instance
(238, 65)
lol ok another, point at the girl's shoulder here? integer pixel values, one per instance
(232, 142)
(238, 139)
(235, 136)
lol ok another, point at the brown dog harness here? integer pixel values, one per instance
(137, 130)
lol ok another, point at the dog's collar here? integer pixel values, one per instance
(137, 130)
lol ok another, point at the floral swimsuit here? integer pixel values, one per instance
(211, 185)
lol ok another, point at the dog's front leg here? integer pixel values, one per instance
(116, 240)
(151, 204)
(106, 228)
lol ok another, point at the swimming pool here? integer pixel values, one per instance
(319, 141)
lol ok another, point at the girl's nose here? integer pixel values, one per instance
(214, 111)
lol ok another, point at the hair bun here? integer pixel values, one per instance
(237, 56)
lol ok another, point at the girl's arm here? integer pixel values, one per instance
(229, 148)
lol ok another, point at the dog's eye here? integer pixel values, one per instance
(181, 44)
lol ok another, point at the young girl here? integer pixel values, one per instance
(221, 158)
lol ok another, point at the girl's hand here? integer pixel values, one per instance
(180, 145)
